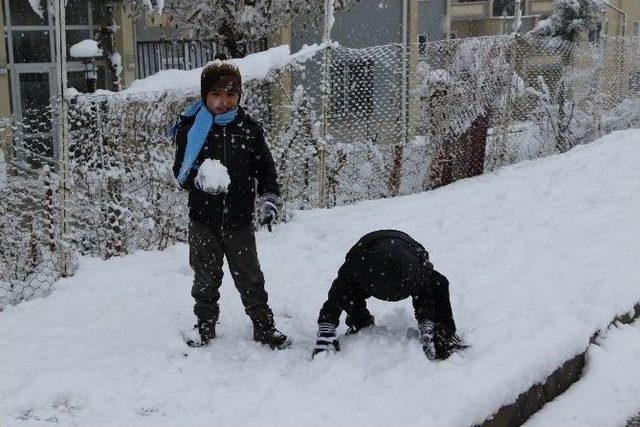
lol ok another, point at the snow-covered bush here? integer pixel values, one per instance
(569, 19)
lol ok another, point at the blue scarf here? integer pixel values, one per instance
(198, 133)
(226, 118)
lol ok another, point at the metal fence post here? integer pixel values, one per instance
(599, 84)
(62, 127)
(325, 82)
(507, 115)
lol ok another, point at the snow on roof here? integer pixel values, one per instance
(85, 49)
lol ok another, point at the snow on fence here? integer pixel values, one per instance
(343, 125)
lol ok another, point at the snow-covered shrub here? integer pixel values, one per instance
(569, 19)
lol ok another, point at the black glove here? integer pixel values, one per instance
(268, 209)
(326, 339)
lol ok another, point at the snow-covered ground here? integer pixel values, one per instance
(539, 255)
(608, 393)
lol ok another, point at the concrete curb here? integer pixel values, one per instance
(633, 422)
(532, 400)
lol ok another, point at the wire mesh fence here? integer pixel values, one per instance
(343, 125)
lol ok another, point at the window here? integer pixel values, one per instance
(506, 7)
(21, 13)
(77, 12)
(351, 88)
(77, 80)
(636, 28)
(31, 46)
(594, 34)
(34, 91)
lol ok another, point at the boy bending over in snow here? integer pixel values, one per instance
(216, 129)
(390, 265)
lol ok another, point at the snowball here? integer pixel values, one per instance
(213, 177)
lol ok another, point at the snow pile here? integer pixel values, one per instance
(85, 49)
(539, 255)
(116, 61)
(624, 115)
(254, 66)
(609, 390)
(213, 177)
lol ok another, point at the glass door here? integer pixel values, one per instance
(31, 51)
(33, 90)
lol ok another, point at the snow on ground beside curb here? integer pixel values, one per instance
(538, 254)
(608, 392)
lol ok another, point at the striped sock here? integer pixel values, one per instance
(326, 338)
(427, 329)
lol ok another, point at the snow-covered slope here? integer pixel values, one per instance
(538, 254)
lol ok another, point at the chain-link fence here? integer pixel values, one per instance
(343, 125)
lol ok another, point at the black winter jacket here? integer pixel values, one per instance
(241, 148)
(389, 264)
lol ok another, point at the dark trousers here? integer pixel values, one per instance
(430, 301)
(207, 247)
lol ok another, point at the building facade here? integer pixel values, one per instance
(27, 62)
(474, 18)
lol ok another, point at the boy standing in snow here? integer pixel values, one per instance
(391, 266)
(221, 222)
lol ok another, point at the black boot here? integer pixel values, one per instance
(206, 330)
(265, 332)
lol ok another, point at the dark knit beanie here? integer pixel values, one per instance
(219, 75)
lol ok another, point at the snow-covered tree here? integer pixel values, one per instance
(569, 19)
(236, 24)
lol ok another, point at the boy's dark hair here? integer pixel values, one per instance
(219, 75)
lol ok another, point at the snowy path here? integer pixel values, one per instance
(539, 255)
(608, 393)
